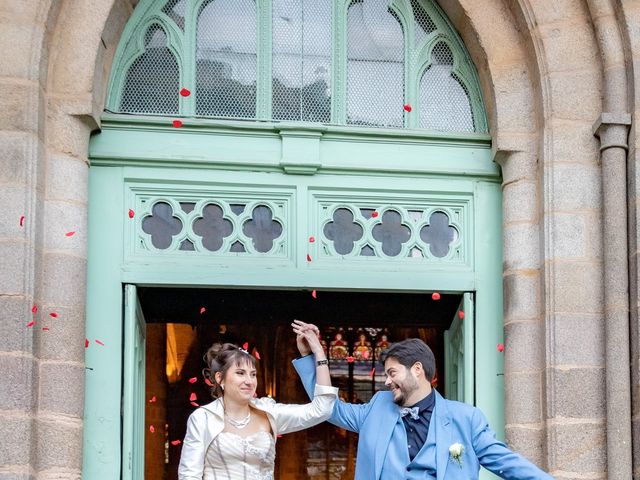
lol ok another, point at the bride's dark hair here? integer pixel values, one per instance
(221, 357)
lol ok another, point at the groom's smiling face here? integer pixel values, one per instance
(400, 380)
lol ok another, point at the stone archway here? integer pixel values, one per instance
(541, 73)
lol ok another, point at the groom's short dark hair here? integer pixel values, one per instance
(407, 352)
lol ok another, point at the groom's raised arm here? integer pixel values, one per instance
(345, 415)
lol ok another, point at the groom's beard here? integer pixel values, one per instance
(408, 386)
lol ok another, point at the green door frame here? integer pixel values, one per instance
(132, 167)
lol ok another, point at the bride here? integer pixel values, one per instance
(233, 437)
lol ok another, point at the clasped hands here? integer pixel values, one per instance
(307, 338)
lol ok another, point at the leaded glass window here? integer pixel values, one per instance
(153, 79)
(301, 68)
(443, 98)
(368, 63)
(226, 59)
(375, 65)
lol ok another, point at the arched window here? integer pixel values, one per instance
(153, 78)
(374, 63)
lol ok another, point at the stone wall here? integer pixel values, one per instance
(542, 68)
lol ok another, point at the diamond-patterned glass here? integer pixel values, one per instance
(152, 82)
(226, 59)
(301, 60)
(375, 65)
(444, 101)
(423, 23)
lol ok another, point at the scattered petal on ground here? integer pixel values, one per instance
(153, 399)
(31, 323)
(176, 442)
(314, 294)
(22, 221)
(460, 314)
(69, 234)
(407, 107)
(193, 379)
(500, 347)
(131, 213)
(312, 239)
(185, 92)
(374, 214)
(177, 124)
(435, 296)
(99, 343)
(53, 315)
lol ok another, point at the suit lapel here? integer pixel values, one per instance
(443, 435)
(387, 422)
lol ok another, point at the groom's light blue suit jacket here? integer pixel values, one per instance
(454, 422)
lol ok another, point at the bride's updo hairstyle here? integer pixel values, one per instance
(220, 358)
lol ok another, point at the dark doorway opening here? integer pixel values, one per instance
(182, 323)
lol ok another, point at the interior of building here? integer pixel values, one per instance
(356, 326)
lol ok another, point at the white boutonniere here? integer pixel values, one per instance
(455, 452)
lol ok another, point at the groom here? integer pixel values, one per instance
(411, 432)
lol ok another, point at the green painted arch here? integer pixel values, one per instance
(182, 44)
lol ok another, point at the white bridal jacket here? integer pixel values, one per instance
(207, 422)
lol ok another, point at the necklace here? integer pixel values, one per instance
(239, 424)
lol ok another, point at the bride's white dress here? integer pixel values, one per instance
(233, 457)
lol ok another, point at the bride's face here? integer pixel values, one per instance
(240, 382)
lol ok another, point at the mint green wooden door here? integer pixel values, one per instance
(459, 341)
(133, 387)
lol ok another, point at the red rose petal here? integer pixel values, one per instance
(53, 315)
(34, 309)
(208, 382)
(257, 355)
(350, 359)
(99, 343)
(153, 399)
(435, 296)
(22, 221)
(314, 294)
(460, 314)
(245, 346)
(193, 397)
(86, 343)
(45, 328)
(69, 234)
(193, 379)
(195, 404)
(202, 310)
(31, 323)
(500, 347)
(407, 107)
(308, 257)
(152, 429)
(131, 213)
(185, 92)
(176, 442)
(373, 372)
(374, 214)
(177, 124)
(312, 239)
